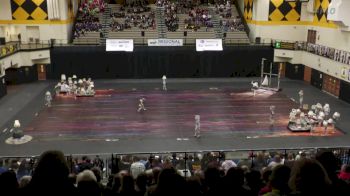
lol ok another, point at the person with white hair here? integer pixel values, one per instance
(292, 115)
(63, 78)
(17, 133)
(325, 125)
(164, 83)
(137, 167)
(326, 110)
(301, 98)
(141, 105)
(48, 98)
(197, 126)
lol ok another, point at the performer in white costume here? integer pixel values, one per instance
(141, 105)
(326, 110)
(48, 98)
(255, 86)
(197, 126)
(164, 82)
(301, 98)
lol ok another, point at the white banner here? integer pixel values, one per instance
(209, 45)
(165, 42)
(120, 45)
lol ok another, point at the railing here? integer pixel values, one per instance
(13, 47)
(320, 50)
(112, 163)
(8, 49)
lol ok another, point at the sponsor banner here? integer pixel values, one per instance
(344, 72)
(120, 45)
(209, 45)
(165, 42)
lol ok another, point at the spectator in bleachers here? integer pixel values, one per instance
(279, 181)
(265, 176)
(127, 187)
(85, 164)
(308, 177)
(331, 164)
(232, 25)
(8, 183)
(344, 173)
(290, 160)
(137, 167)
(50, 176)
(24, 181)
(233, 182)
(72, 178)
(87, 184)
(98, 162)
(195, 186)
(259, 161)
(170, 183)
(275, 161)
(213, 181)
(253, 181)
(2, 167)
(141, 184)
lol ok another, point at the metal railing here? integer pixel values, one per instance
(320, 50)
(180, 160)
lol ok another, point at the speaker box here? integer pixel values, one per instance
(142, 33)
(185, 33)
(224, 34)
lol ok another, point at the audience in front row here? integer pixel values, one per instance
(308, 176)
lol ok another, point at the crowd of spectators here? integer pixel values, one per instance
(170, 14)
(196, 174)
(135, 14)
(232, 25)
(223, 9)
(88, 17)
(198, 18)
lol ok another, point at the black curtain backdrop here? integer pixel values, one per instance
(316, 78)
(21, 75)
(295, 71)
(153, 62)
(3, 89)
(344, 91)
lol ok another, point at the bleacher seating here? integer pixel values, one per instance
(116, 28)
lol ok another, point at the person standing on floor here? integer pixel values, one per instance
(197, 126)
(164, 83)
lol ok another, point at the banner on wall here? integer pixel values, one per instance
(165, 42)
(344, 72)
(209, 45)
(120, 45)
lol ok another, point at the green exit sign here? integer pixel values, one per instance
(278, 45)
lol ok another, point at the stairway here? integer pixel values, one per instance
(216, 23)
(162, 29)
(105, 21)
